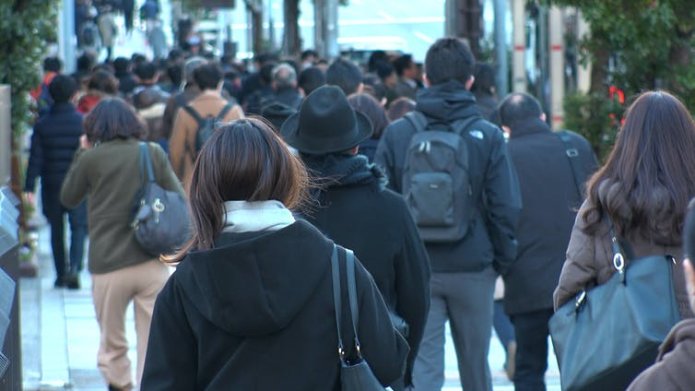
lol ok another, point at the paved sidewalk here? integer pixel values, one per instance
(60, 334)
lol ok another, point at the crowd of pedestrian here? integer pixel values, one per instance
(290, 166)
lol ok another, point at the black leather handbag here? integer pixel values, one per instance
(609, 334)
(355, 375)
(161, 222)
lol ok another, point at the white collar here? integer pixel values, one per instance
(245, 216)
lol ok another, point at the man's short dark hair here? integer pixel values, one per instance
(121, 65)
(146, 70)
(311, 79)
(344, 74)
(449, 59)
(208, 76)
(52, 64)
(85, 62)
(518, 107)
(309, 53)
(384, 69)
(375, 58)
(485, 79)
(62, 88)
(402, 63)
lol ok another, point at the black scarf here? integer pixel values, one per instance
(338, 170)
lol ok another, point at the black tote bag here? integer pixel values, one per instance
(609, 334)
(355, 375)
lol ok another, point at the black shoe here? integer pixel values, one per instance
(72, 281)
(59, 282)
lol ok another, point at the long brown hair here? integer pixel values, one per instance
(649, 176)
(243, 160)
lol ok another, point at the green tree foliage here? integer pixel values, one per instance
(26, 27)
(635, 45)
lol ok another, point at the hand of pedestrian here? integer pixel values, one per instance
(29, 197)
(84, 142)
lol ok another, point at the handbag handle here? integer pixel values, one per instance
(352, 297)
(146, 162)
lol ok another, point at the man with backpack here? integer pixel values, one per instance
(196, 120)
(457, 179)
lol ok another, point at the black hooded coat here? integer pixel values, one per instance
(256, 313)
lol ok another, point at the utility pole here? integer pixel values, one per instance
(326, 28)
(66, 35)
(501, 47)
(519, 83)
(557, 66)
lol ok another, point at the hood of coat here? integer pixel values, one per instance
(446, 102)
(529, 126)
(681, 344)
(255, 283)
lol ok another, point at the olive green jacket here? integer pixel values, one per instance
(109, 176)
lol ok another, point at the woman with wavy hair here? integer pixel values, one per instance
(250, 306)
(644, 188)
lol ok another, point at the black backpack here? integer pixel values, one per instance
(436, 180)
(207, 125)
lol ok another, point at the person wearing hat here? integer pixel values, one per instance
(355, 209)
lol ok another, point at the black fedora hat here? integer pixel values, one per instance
(326, 123)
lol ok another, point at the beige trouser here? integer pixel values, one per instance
(112, 292)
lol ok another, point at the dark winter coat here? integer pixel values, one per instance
(358, 212)
(55, 139)
(550, 200)
(490, 239)
(674, 365)
(256, 313)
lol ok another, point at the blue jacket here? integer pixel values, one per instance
(490, 241)
(55, 139)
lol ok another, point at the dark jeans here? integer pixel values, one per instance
(503, 326)
(55, 213)
(532, 349)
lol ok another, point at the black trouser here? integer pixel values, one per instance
(531, 331)
(55, 212)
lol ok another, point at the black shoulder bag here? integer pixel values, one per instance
(609, 334)
(161, 222)
(355, 375)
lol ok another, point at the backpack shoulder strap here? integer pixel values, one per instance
(417, 120)
(190, 110)
(572, 154)
(224, 111)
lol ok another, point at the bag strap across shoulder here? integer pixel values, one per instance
(572, 154)
(146, 169)
(352, 297)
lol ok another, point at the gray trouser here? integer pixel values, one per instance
(465, 299)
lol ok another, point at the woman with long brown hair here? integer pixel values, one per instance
(250, 305)
(643, 188)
